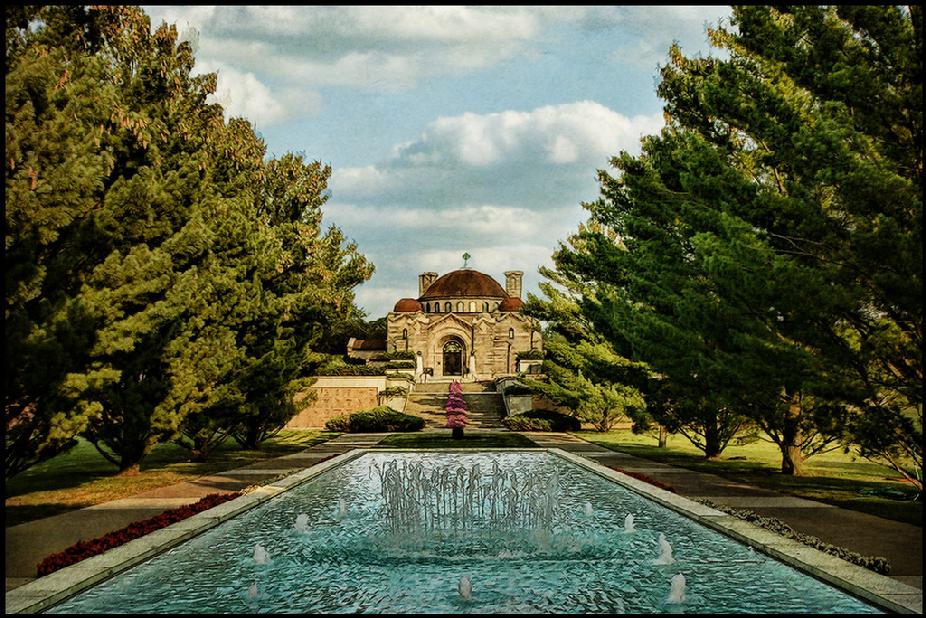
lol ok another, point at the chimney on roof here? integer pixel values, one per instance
(513, 283)
(424, 282)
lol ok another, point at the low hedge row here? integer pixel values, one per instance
(392, 356)
(529, 355)
(353, 370)
(542, 420)
(393, 391)
(518, 389)
(646, 479)
(377, 420)
(878, 564)
(87, 549)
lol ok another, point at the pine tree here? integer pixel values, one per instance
(768, 252)
(163, 278)
(582, 370)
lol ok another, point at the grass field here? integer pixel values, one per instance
(834, 478)
(445, 440)
(81, 477)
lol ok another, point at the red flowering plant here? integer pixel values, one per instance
(87, 549)
(455, 409)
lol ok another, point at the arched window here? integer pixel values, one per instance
(404, 333)
(472, 306)
(495, 307)
(485, 307)
(511, 333)
(427, 307)
(460, 306)
(436, 307)
(448, 307)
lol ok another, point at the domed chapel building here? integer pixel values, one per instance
(463, 325)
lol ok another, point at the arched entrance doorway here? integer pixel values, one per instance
(453, 358)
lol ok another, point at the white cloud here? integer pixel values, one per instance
(505, 187)
(367, 46)
(543, 157)
(242, 94)
(488, 222)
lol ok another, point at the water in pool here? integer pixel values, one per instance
(517, 532)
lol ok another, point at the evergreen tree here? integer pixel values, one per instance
(750, 267)
(822, 107)
(582, 370)
(160, 269)
(98, 169)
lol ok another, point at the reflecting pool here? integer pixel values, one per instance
(501, 532)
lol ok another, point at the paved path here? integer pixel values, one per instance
(29, 543)
(902, 544)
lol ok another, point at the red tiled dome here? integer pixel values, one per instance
(511, 304)
(407, 305)
(464, 282)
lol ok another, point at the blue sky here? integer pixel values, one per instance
(449, 129)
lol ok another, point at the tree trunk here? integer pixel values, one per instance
(712, 448)
(663, 436)
(129, 469)
(792, 438)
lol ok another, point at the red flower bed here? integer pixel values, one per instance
(86, 549)
(642, 477)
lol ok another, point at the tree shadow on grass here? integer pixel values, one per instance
(20, 514)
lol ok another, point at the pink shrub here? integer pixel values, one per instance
(455, 407)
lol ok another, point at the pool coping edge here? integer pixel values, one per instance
(882, 591)
(50, 590)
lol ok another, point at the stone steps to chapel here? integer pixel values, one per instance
(443, 387)
(484, 409)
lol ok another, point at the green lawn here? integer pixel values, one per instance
(835, 478)
(81, 477)
(445, 440)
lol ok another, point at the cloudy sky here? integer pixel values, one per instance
(448, 129)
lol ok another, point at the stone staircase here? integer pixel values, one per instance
(484, 405)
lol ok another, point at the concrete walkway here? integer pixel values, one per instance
(901, 544)
(29, 543)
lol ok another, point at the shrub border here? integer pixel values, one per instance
(51, 590)
(877, 564)
(81, 550)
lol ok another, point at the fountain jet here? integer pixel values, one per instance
(260, 554)
(677, 592)
(628, 523)
(665, 551)
(465, 588)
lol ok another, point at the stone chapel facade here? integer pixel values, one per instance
(463, 325)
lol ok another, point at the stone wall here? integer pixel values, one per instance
(337, 395)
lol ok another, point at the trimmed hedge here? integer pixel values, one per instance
(353, 370)
(529, 355)
(542, 420)
(393, 391)
(518, 389)
(878, 564)
(391, 356)
(400, 364)
(377, 420)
